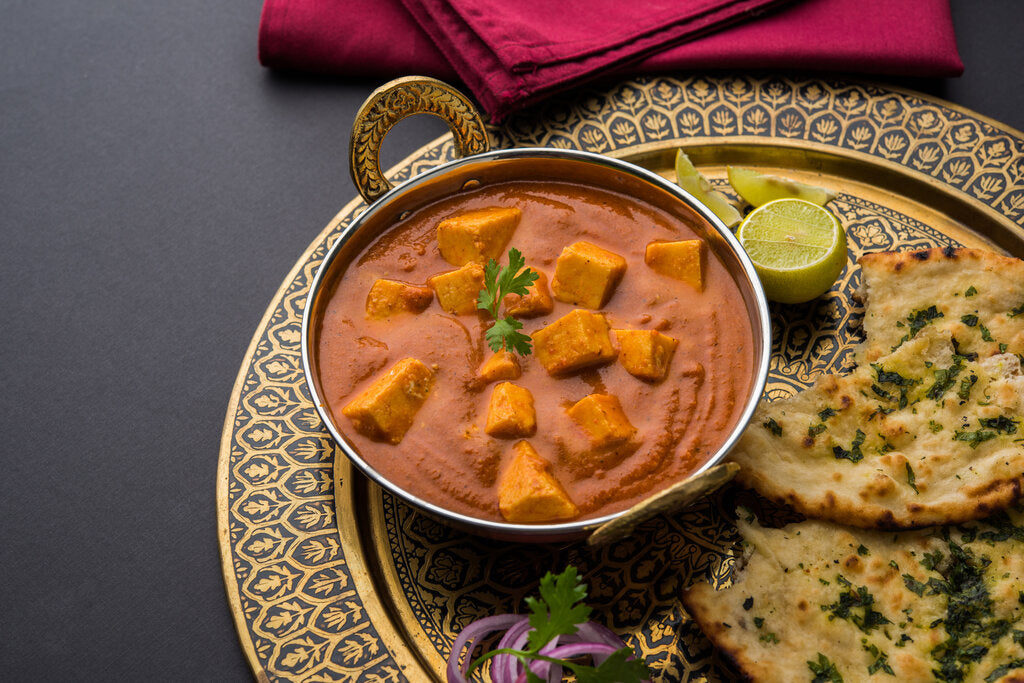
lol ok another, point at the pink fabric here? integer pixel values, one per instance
(511, 54)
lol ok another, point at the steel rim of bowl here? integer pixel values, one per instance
(566, 528)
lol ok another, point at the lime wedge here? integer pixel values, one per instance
(798, 248)
(690, 179)
(759, 188)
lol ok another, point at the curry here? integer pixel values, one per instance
(642, 353)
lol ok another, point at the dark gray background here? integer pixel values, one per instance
(156, 186)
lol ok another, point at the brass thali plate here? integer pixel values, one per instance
(330, 579)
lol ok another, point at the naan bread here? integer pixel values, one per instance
(814, 598)
(900, 289)
(929, 427)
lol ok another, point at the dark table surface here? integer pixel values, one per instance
(156, 186)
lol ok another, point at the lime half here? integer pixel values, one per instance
(798, 248)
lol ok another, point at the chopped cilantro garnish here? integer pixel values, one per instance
(1000, 424)
(826, 414)
(852, 600)
(911, 478)
(969, 320)
(854, 453)
(934, 426)
(1014, 312)
(917, 320)
(824, 671)
(974, 438)
(944, 378)
(985, 334)
(971, 291)
(772, 426)
(965, 387)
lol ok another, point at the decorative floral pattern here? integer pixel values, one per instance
(289, 574)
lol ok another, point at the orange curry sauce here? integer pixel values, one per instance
(446, 457)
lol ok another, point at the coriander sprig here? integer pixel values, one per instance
(500, 281)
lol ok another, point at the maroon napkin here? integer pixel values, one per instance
(511, 54)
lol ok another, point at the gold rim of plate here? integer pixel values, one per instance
(329, 579)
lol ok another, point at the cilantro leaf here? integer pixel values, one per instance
(504, 333)
(616, 668)
(556, 612)
(500, 281)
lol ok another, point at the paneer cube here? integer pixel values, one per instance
(510, 413)
(477, 235)
(645, 353)
(536, 302)
(586, 275)
(529, 493)
(386, 409)
(683, 260)
(390, 297)
(503, 365)
(457, 290)
(577, 340)
(601, 417)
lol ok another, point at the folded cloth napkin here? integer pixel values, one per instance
(511, 54)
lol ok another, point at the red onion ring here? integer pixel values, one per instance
(590, 639)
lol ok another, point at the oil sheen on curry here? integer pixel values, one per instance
(642, 354)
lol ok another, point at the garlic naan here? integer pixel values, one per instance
(928, 428)
(816, 601)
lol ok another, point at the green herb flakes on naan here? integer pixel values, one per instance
(813, 601)
(929, 427)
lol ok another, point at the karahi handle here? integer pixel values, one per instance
(394, 101)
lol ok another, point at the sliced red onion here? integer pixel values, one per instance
(590, 639)
(477, 630)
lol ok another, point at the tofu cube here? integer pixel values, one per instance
(510, 413)
(601, 417)
(577, 340)
(390, 297)
(386, 409)
(586, 275)
(477, 235)
(536, 302)
(529, 493)
(645, 353)
(503, 365)
(683, 260)
(457, 290)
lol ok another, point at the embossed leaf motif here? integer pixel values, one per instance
(723, 121)
(265, 401)
(261, 435)
(624, 133)
(290, 336)
(303, 654)
(690, 123)
(315, 516)
(757, 121)
(309, 481)
(361, 646)
(656, 125)
(317, 551)
(257, 470)
(825, 129)
(277, 367)
(964, 133)
(261, 546)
